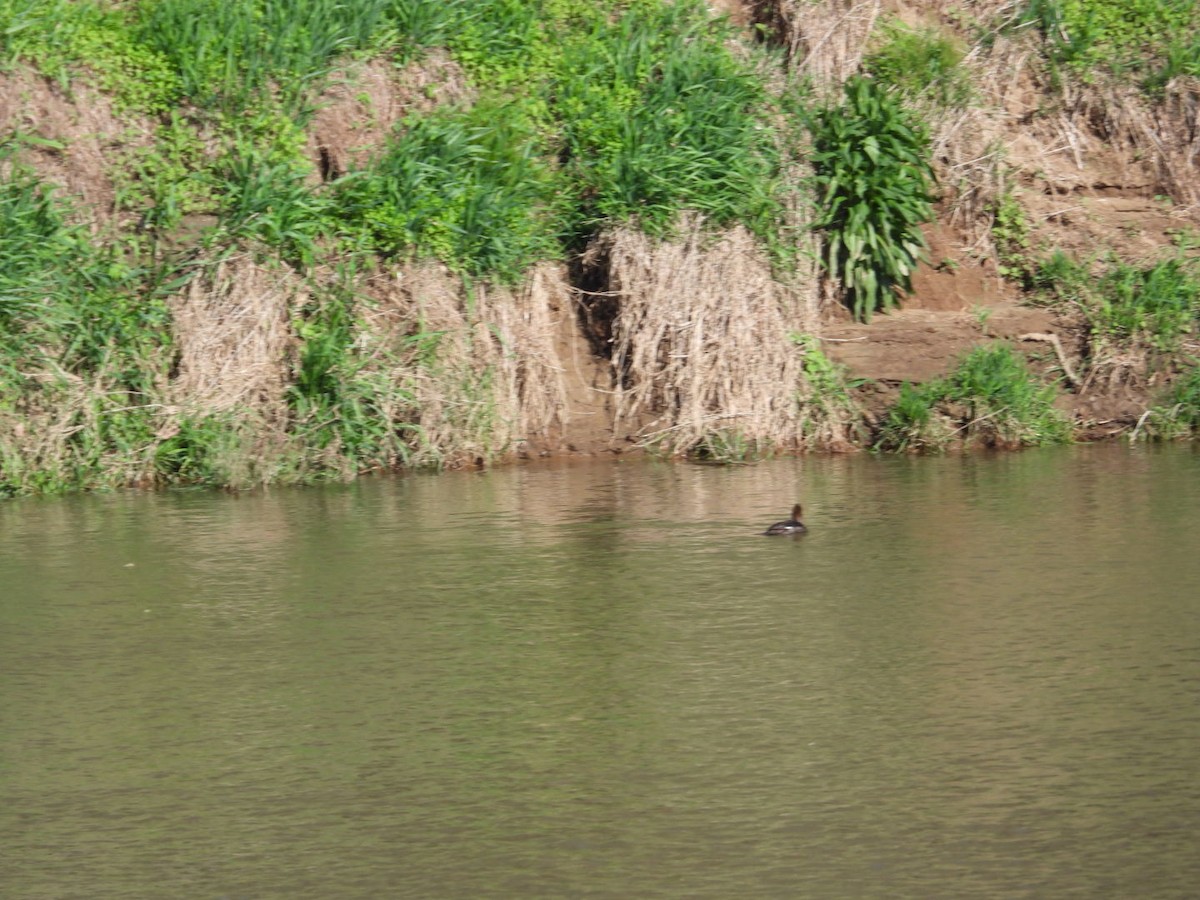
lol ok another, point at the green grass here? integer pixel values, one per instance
(1145, 41)
(1153, 307)
(657, 116)
(468, 187)
(922, 64)
(227, 53)
(991, 399)
(873, 182)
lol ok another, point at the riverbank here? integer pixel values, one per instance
(432, 235)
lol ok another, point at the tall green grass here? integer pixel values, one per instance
(873, 179)
(468, 187)
(657, 116)
(228, 52)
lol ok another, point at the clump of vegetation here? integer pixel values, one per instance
(658, 116)
(81, 338)
(1010, 235)
(922, 64)
(831, 415)
(467, 187)
(1141, 40)
(991, 399)
(1140, 307)
(228, 53)
(873, 183)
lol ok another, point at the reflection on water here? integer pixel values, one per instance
(974, 677)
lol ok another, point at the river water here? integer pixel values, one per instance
(975, 677)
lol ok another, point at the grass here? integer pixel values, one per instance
(920, 63)
(1151, 308)
(1144, 41)
(227, 53)
(467, 187)
(991, 399)
(657, 116)
(83, 335)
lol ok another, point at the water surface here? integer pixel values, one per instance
(975, 677)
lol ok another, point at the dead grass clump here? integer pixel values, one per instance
(364, 103)
(476, 366)
(83, 134)
(968, 143)
(823, 40)
(702, 345)
(1164, 133)
(234, 338)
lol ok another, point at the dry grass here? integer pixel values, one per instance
(701, 341)
(476, 371)
(969, 145)
(823, 40)
(233, 334)
(50, 436)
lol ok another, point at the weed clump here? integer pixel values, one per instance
(922, 64)
(658, 117)
(1136, 315)
(991, 400)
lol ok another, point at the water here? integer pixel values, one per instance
(975, 677)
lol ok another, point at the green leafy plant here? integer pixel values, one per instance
(873, 183)
(1010, 234)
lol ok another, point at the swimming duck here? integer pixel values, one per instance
(789, 526)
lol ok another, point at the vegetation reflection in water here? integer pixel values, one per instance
(973, 677)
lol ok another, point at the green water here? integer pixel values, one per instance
(975, 677)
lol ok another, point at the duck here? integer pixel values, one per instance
(789, 526)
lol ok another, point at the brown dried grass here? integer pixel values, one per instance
(47, 437)
(232, 329)
(476, 367)
(1083, 136)
(701, 340)
(826, 40)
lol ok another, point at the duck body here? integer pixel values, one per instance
(789, 526)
